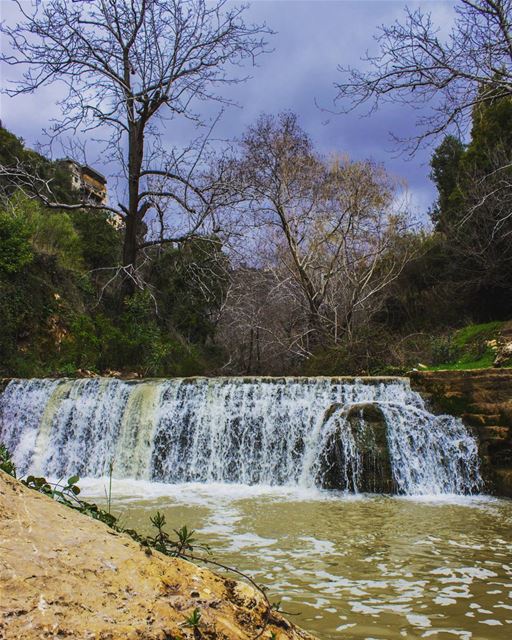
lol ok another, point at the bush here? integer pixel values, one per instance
(100, 241)
(443, 350)
(15, 248)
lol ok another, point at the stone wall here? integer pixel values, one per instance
(483, 399)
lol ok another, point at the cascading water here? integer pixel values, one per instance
(258, 430)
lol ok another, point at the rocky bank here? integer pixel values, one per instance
(65, 575)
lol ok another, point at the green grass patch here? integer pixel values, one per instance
(475, 333)
(483, 363)
(468, 348)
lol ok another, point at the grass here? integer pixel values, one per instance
(462, 365)
(476, 332)
(468, 348)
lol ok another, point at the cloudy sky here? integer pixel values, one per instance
(312, 38)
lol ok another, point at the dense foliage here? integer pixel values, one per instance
(59, 314)
(318, 289)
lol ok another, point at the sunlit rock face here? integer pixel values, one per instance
(353, 435)
(65, 575)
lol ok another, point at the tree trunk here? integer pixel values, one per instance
(135, 216)
(130, 242)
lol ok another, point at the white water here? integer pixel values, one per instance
(252, 431)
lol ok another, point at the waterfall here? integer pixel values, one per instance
(351, 434)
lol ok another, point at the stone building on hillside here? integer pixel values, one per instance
(91, 184)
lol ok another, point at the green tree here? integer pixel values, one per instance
(491, 132)
(12, 148)
(445, 165)
(189, 283)
(51, 232)
(100, 239)
(473, 210)
(16, 158)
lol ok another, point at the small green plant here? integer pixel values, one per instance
(161, 540)
(186, 540)
(443, 350)
(6, 463)
(66, 493)
(185, 543)
(193, 623)
(194, 619)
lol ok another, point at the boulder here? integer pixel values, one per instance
(504, 347)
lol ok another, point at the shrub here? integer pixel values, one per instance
(15, 249)
(443, 350)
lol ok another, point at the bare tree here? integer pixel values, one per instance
(326, 233)
(130, 67)
(443, 78)
(261, 324)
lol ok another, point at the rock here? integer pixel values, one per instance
(131, 375)
(504, 354)
(85, 373)
(368, 428)
(480, 420)
(493, 434)
(109, 373)
(504, 481)
(504, 347)
(506, 413)
(63, 574)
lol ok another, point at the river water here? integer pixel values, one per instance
(350, 566)
(243, 462)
